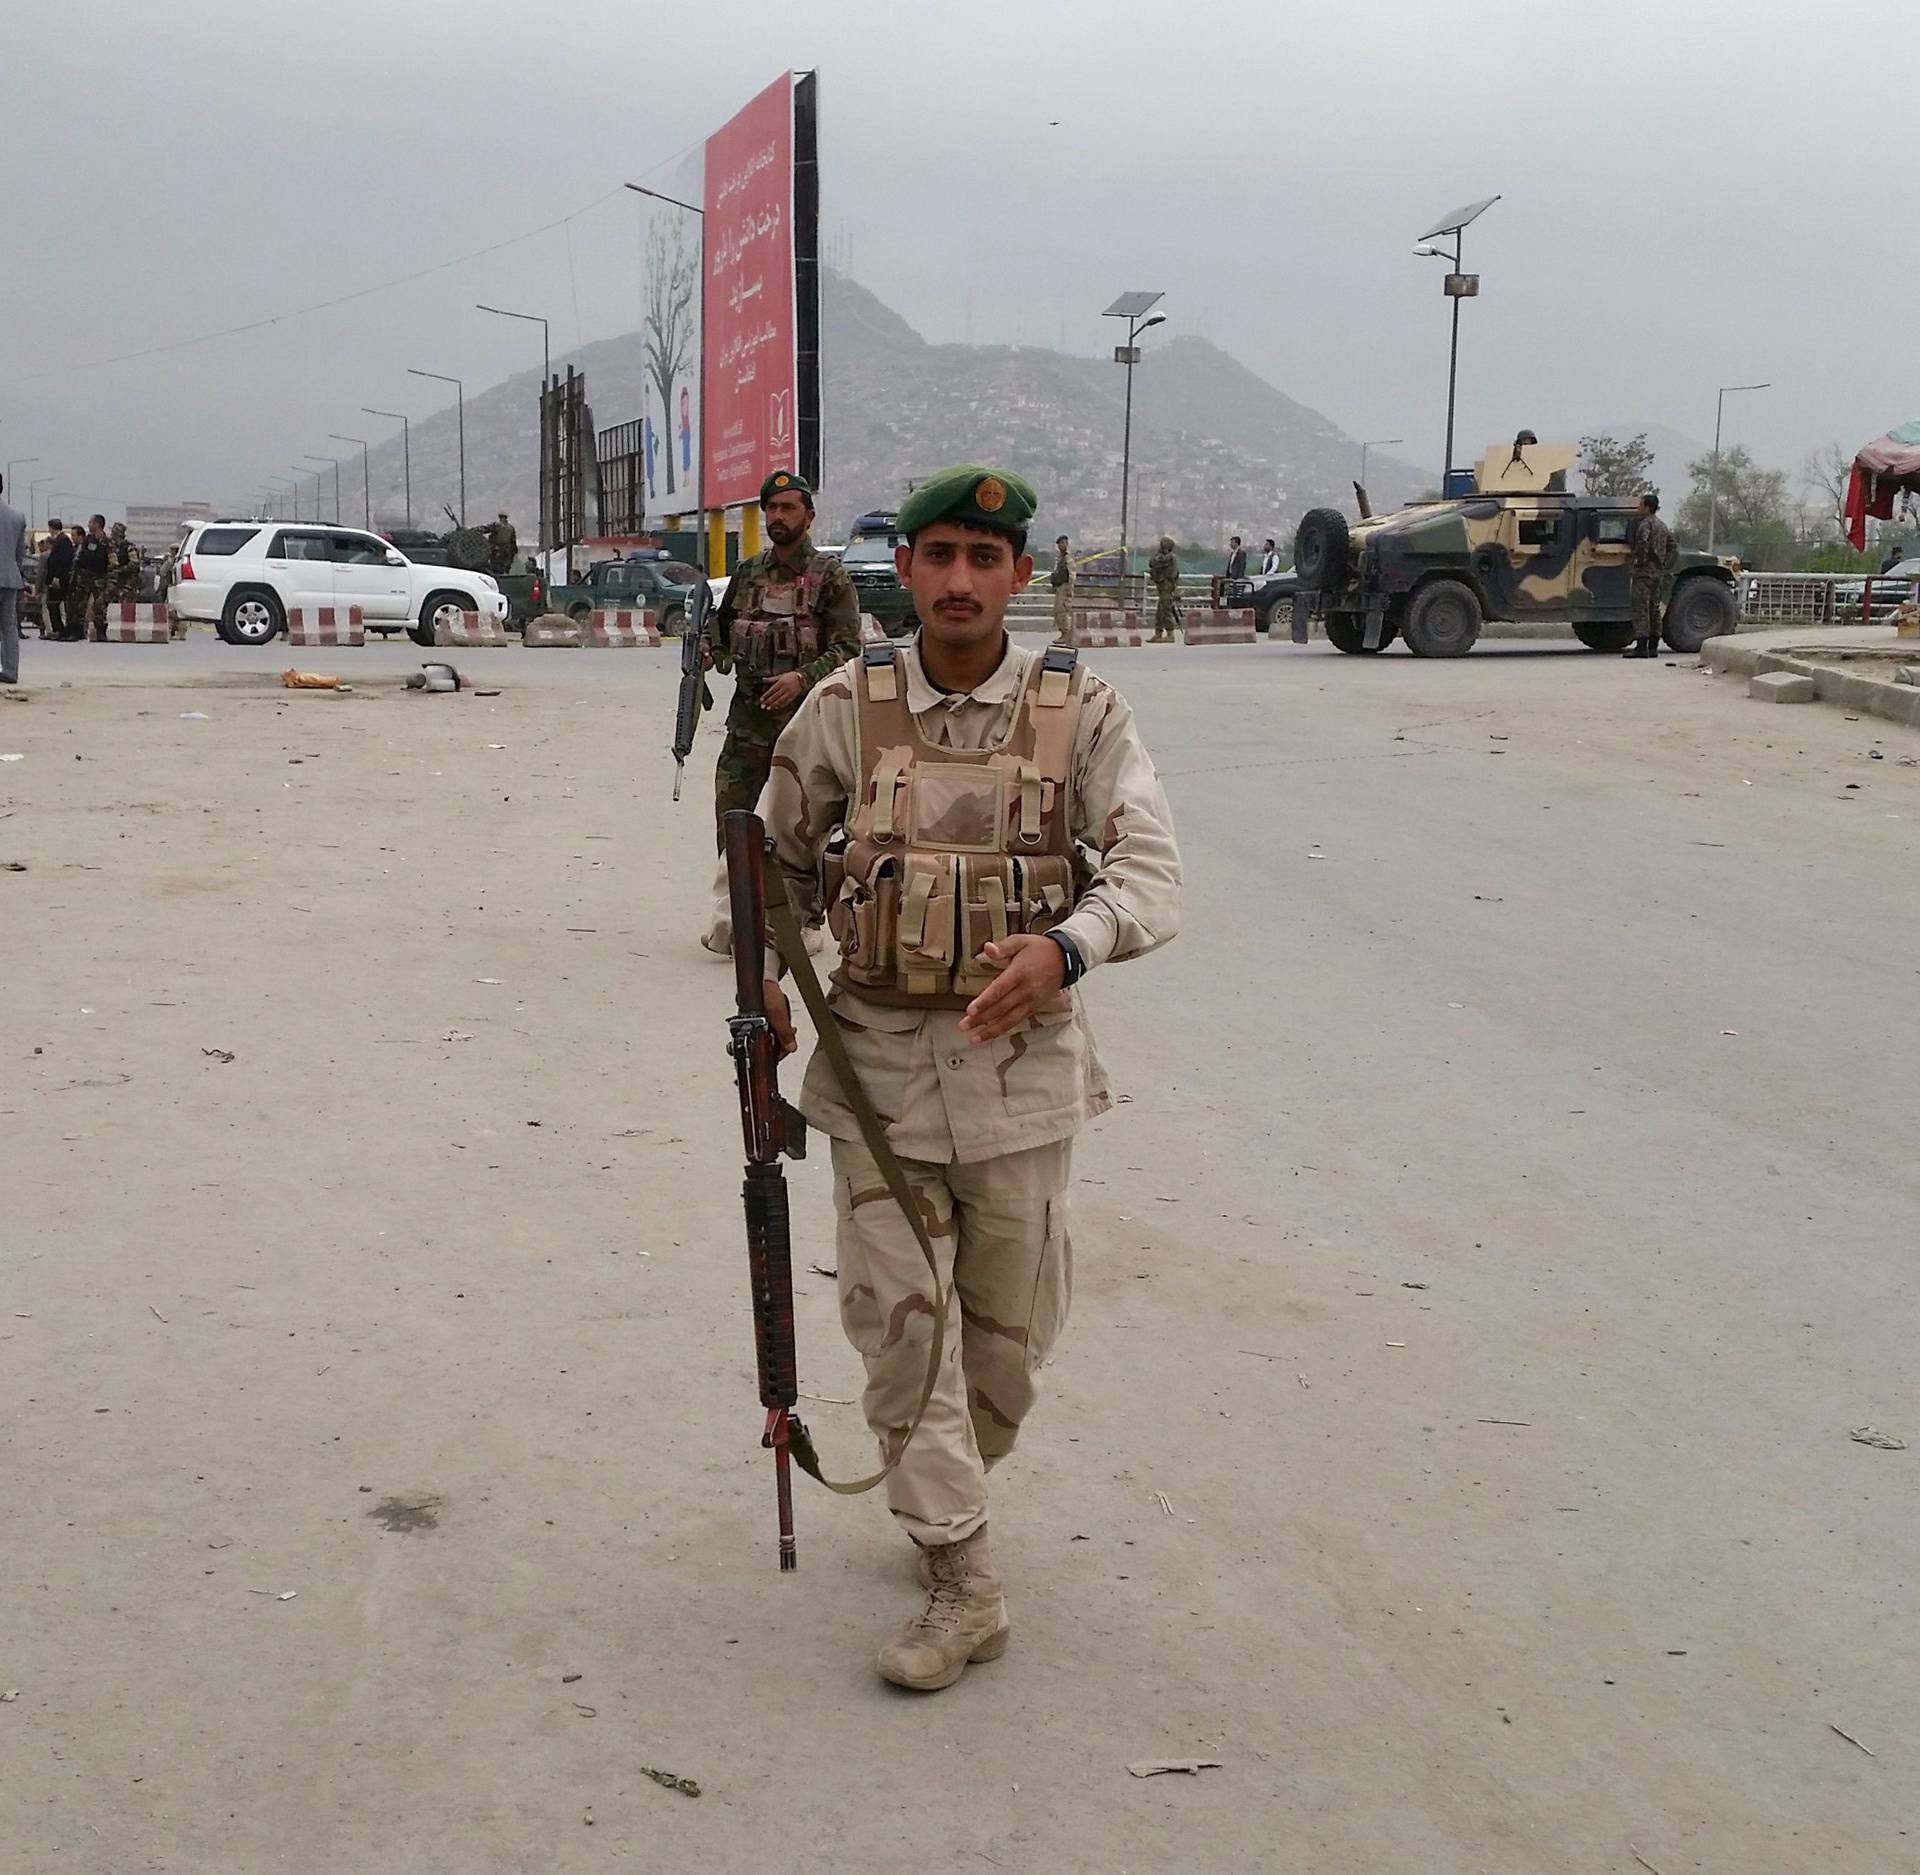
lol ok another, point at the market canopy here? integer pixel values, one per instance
(1888, 466)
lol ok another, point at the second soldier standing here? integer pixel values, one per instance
(790, 617)
(1164, 571)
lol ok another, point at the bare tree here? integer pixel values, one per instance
(1824, 479)
(1610, 466)
(673, 276)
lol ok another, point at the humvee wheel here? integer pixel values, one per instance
(1320, 548)
(1443, 620)
(1347, 632)
(1604, 637)
(1703, 608)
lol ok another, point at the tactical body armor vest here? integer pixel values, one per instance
(949, 848)
(775, 630)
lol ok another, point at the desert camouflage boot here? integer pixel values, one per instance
(965, 1618)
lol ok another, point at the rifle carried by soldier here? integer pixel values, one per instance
(694, 694)
(772, 1129)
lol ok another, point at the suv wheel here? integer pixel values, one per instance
(442, 608)
(1443, 621)
(579, 611)
(1320, 549)
(1702, 608)
(1347, 632)
(252, 616)
(1604, 637)
(673, 621)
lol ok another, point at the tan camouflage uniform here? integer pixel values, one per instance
(985, 1131)
(1163, 569)
(1061, 580)
(1651, 550)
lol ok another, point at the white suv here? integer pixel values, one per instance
(243, 576)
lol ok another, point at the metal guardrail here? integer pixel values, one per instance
(1820, 598)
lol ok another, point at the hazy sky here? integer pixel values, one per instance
(1693, 194)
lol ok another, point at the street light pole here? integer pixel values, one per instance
(1459, 286)
(460, 405)
(33, 489)
(1713, 486)
(335, 460)
(19, 462)
(366, 481)
(546, 376)
(1378, 442)
(406, 451)
(1133, 308)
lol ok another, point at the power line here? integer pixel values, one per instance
(302, 312)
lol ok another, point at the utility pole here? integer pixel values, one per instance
(1713, 486)
(547, 466)
(1133, 308)
(335, 460)
(406, 451)
(460, 405)
(366, 483)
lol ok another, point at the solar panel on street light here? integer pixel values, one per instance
(1458, 218)
(1132, 305)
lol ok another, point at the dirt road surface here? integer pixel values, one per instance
(1511, 1215)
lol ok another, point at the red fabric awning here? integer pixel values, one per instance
(1884, 468)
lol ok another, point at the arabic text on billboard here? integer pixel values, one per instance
(751, 376)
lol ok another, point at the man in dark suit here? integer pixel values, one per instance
(55, 576)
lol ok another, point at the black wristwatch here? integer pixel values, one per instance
(1076, 964)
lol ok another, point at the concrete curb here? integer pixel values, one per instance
(1871, 696)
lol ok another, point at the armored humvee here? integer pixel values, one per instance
(1520, 546)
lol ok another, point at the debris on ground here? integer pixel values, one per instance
(687, 1786)
(1872, 1435)
(820, 1269)
(437, 678)
(195, 716)
(1849, 1737)
(311, 680)
(1155, 1767)
(221, 1055)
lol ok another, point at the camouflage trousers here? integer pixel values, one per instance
(999, 1234)
(1062, 608)
(738, 776)
(83, 594)
(1645, 594)
(1166, 611)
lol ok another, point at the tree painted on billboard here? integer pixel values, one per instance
(673, 278)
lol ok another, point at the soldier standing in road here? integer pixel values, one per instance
(1007, 835)
(1652, 550)
(502, 544)
(1164, 571)
(1061, 581)
(121, 585)
(89, 598)
(790, 617)
(13, 582)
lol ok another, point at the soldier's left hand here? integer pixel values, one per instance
(1032, 971)
(784, 691)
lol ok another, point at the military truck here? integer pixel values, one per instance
(1519, 546)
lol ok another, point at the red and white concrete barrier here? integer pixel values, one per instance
(1102, 627)
(474, 632)
(326, 625)
(138, 625)
(554, 631)
(623, 631)
(1233, 626)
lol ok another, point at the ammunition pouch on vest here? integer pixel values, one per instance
(948, 849)
(776, 632)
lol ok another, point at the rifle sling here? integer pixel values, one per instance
(793, 948)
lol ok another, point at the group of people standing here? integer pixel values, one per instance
(86, 570)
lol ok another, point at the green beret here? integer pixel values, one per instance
(785, 482)
(974, 496)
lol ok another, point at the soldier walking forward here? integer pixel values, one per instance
(120, 584)
(1164, 570)
(1007, 834)
(1061, 580)
(789, 618)
(1652, 550)
(87, 600)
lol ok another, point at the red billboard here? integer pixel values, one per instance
(751, 381)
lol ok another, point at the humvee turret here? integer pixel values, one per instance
(1519, 547)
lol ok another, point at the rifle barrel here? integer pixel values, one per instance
(747, 891)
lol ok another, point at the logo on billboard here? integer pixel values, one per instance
(780, 426)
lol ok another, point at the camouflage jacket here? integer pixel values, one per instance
(947, 1100)
(1652, 547)
(1062, 571)
(1164, 570)
(123, 562)
(836, 610)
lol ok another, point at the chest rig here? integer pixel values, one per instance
(775, 631)
(950, 848)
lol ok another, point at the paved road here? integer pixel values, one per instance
(1512, 1213)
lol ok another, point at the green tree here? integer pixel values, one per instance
(1754, 520)
(1609, 466)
